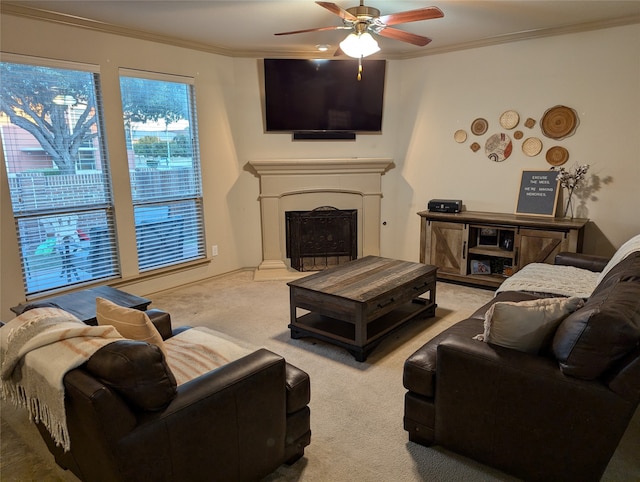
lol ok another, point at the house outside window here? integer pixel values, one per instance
(164, 164)
(58, 171)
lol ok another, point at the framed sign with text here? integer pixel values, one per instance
(538, 194)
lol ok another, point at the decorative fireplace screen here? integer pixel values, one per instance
(321, 238)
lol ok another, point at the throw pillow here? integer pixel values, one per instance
(130, 323)
(526, 325)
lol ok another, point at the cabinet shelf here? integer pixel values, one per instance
(458, 243)
(491, 251)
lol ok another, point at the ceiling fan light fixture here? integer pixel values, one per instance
(359, 45)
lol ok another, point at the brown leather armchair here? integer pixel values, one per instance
(129, 422)
(558, 415)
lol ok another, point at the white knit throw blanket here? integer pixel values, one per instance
(551, 278)
(37, 349)
(199, 350)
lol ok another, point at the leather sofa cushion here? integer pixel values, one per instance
(137, 371)
(420, 368)
(626, 270)
(594, 338)
(625, 382)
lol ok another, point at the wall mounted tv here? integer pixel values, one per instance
(323, 95)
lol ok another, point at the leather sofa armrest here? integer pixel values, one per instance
(238, 412)
(298, 389)
(162, 321)
(227, 377)
(591, 262)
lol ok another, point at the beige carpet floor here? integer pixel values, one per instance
(356, 408)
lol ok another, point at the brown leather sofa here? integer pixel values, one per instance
(558, 415)
(127, 420)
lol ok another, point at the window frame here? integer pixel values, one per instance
(29, 220)
(169, 238)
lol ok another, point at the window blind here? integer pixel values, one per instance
(164, 163)
(56, 163)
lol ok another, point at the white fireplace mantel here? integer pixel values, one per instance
(305, 184)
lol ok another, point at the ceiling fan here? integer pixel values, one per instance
(364, 21)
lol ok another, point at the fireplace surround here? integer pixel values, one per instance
(305, 184)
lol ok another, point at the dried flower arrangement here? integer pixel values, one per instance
(570, 180)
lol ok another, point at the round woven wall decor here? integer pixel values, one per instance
(509, 119)
(460, 136)
(559, 122)
(532, 146)
(557, 156)
(479, 126)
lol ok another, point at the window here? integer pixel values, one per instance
(166, 188)
(55, 157)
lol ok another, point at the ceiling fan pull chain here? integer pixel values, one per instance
(360, 68)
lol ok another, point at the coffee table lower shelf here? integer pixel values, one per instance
(343, 333)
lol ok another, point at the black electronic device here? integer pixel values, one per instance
(323, 96)
(324, 135)
(445, 205)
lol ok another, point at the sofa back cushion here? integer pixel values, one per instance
(630, 247)
(593, 339)
(137, 371)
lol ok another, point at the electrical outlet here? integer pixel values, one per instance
(214, 250)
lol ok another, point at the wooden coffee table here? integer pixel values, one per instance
(356, 304)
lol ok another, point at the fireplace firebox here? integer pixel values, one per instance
(321, 238)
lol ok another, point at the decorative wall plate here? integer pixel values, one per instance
(530, 122)
(559, 122)
(479, 126)
(509, 119)
(532, 146)
(460, 136)
(518, 135)
(498, 147)
(557, 156)
(475, 147)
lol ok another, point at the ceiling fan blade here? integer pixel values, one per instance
(338, 10)
(403, 36)
(411, 16)
(319, 29)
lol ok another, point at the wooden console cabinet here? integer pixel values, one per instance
(484, 248)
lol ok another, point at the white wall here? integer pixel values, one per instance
(231, 208)
(427, 100)
(597, 73)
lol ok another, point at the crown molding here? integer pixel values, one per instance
(528, 35)
(103, 27)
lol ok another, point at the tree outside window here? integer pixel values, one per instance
(50, 122)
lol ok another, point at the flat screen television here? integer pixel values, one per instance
(323, 95)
